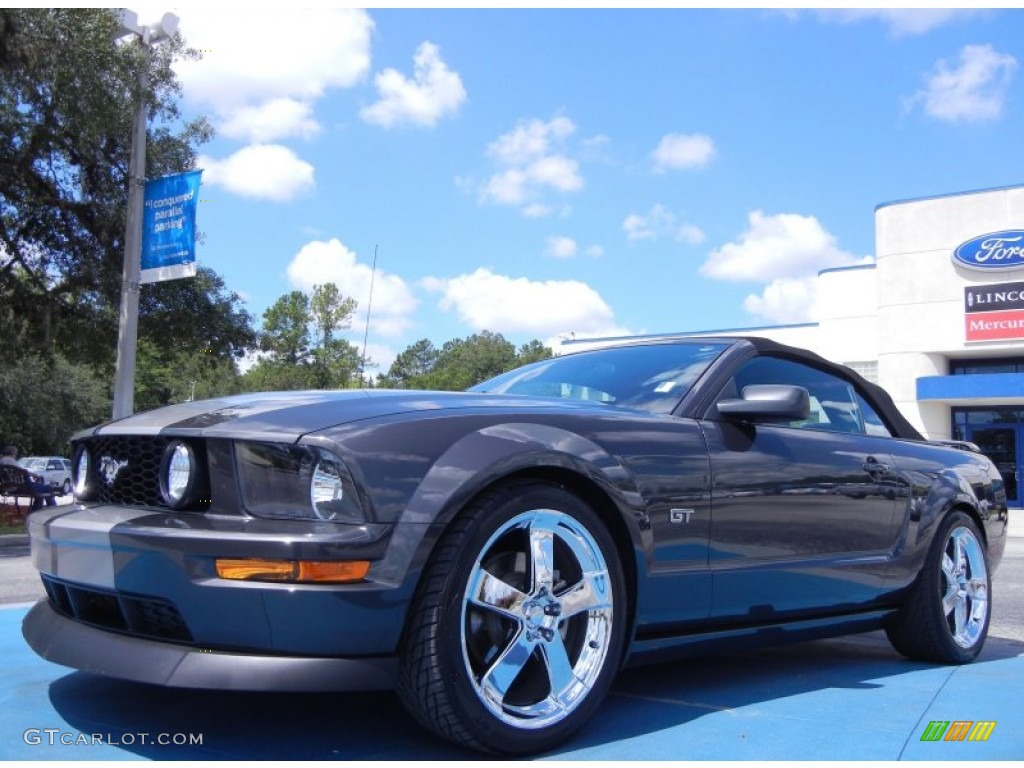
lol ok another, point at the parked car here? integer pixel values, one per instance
(55, 470)
(498, 555)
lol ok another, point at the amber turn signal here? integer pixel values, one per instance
(259, 569)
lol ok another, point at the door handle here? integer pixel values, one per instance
(873, 466)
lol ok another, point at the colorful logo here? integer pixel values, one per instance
(958, 730)
(998, 250)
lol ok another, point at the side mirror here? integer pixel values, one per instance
(768, 402)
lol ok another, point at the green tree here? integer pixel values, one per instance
(335, 361)
(411, 365)
(532, 352)
(301, 349)
(460, 363)
(44, 399)
(197, 315)
(67, 95)
(191, 332)
(285, 334)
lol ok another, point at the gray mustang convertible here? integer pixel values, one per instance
(497, 555)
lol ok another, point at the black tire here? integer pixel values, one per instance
(66, 488)
(492, 628)
(946, 615)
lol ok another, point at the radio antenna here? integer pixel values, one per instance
(369, 306)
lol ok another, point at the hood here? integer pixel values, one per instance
(287, 416)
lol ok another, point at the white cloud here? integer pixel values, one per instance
(556, 171)
(784, 245)
(561, 247)
(595, 251)
(679, 151)
(433, 92)
(260, 76)
(267, 171)
(532, 160)
(260, 54)
(690, 234)
(272, 120)
(785, 300)
(530, 140)
(320, 262)
(487, 301)
(973, 90)
(900, 22)
(660, 222)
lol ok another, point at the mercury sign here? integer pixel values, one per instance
(997, 250)
(169, 227)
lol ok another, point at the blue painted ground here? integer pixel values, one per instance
(851, 699)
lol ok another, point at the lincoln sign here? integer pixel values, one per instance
(994, 312)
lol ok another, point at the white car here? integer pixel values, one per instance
(53, 469)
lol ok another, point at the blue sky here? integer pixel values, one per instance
(541, 173)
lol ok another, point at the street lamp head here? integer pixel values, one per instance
(150, 34)
(166, 28)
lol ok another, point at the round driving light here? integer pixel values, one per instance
(83, 468)
(326, 492)
(181, 475)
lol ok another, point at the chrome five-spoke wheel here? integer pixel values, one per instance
(518, 626)
(945, 615)
(965, 589)
(537, 618)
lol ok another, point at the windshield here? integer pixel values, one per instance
(33, 463)
(651, 377)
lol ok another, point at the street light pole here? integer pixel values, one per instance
(128, 324)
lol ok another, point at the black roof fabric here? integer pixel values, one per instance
(877, 396)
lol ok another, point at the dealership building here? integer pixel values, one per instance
(937, 320)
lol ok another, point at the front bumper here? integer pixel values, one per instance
(134, 593)
(68, 642)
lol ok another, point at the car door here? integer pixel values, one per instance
(803, 513)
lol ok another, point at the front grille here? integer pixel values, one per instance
(126, 469)
(150, 617)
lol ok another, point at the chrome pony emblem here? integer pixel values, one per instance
(110, 468)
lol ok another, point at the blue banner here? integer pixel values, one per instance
(169, 227)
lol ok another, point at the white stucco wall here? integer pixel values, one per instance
(921, 291)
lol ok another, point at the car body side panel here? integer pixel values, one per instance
(934, 480)
(803, 520)
(644, 465)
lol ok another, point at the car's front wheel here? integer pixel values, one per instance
(945, 618)
(518, 626)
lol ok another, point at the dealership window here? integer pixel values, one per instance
(868, 369)
(986, 365)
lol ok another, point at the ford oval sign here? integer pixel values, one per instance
(998, 250)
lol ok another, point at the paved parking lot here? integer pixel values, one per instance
(851, 698)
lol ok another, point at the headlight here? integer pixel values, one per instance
(183, 476)
(296, 482)
(82, 471)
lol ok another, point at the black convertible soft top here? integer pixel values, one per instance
(877, 396)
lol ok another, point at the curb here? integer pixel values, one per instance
(13, 540)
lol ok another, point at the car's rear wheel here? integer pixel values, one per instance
(946, 615)
(66, 488)
(518, 626)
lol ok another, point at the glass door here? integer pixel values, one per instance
(1001, 444)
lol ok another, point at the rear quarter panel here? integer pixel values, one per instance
(936, 479)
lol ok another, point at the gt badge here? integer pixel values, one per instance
(680, 515)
